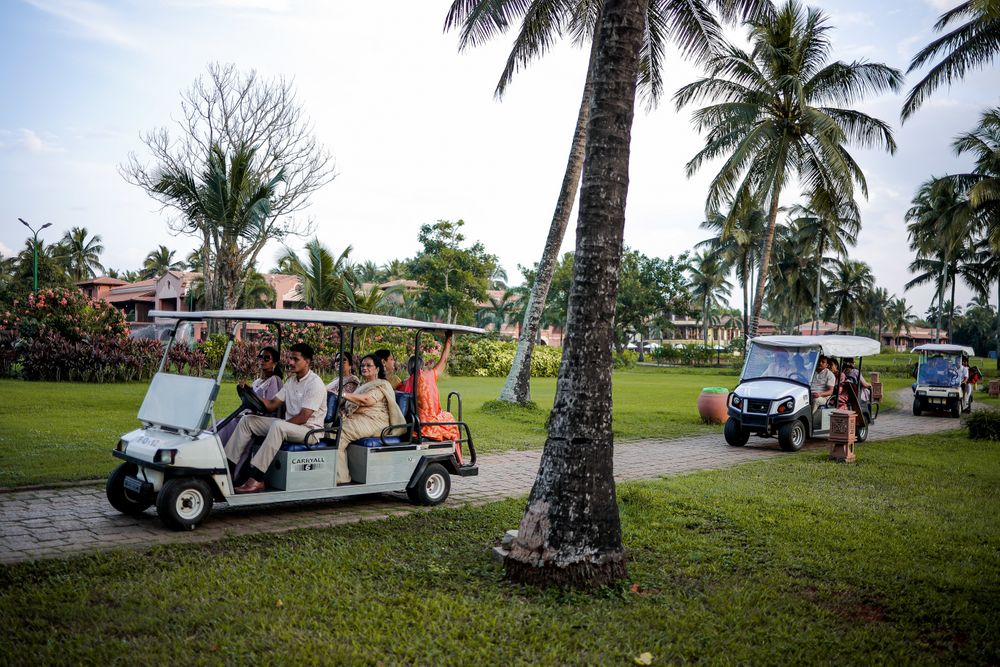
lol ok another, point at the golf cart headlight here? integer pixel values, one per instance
(121, 445)
(787, 405)
(736, 401)
(921, 393)
(165, 455)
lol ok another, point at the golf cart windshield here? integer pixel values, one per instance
(940, 370)
(782, 363)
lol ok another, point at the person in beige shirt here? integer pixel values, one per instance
(304, 399)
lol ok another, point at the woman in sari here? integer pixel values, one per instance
(428, 399)
(375, 409)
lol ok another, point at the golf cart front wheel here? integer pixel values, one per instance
(122, 499)
(184, 503)
(736, 436)
(792, 436)
(917, 407)
(432, 487)
(956, 408)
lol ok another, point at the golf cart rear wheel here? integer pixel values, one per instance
(917, 407)
(792, 436)
(735, 435)
(432, 487)
(121, 498)
(862, 433)
(956, 408)
(184, 503)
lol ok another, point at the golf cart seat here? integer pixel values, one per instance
(405, 401)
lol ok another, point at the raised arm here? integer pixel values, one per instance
(442, 363)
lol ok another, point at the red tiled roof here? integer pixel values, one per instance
(102, 280)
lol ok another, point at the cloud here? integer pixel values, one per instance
(26, 140)
(91, 20)
(5, 251)
(942, 5)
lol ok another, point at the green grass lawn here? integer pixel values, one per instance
(52, 432)
(793, 560)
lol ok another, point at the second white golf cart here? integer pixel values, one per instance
(939, 385)
(177, 462)
(773, 400)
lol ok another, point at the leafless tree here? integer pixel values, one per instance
(241, 161)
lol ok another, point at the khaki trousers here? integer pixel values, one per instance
(275, 432)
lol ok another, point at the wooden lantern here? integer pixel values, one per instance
(875, 376)
(842, 435)
(994, 388)
(876, 390)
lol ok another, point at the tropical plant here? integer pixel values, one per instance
(498, 310)
(690, 25)
(941, 224)
(326, 281)
(852, 280)
(708, 272)
(972, 45)
(983, 144)
(899, 315)
(82, 254)
(772, 118)
(829, 223)
(791, 277)
(158, 262)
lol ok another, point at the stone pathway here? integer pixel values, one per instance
(50, 523)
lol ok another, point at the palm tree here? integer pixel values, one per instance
(898, 316)
(499, 311)
(972, 45)
(232, 204)
(985, 271)
(570, 533)
(325, 280)
(708, 284)
(877, 303)
(739, 242)
(852, 281)
(941, 224)
(372, 300)
(828, 224)
(367, 272)
(83, 255)
(395, 269)
(983, 143)
(158, 262)
(690, 25)
(790, 276)
(771, 119)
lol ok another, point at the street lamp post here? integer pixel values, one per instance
(34, 247)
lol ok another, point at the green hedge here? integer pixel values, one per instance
(493, 357)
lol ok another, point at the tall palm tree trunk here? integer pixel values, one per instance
(747, 277)
(704, 319)
(998, 323)
(571, 531)
(517, 388)
(941, 283)
(951, 309)
(765, 258)
(819, 285)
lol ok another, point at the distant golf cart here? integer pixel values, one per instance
(772, 399)
(176, 459)
(939, 379)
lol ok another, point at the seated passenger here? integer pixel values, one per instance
(346, 379)
(853, 375)
(389, 363)
(428, 399)
(376, 409)
(266, 386)
(304, 398)
(780, 366)
(822, 383)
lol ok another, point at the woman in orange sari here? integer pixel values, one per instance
(428, 400)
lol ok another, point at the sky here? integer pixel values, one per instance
(413, 125)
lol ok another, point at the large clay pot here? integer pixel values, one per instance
(712, 405)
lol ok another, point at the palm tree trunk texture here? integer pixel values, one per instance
(571, 533)
(937, 332)
(517, 388)
(819, 286)
(951, 309)
(747, 277)
(998, 324)
(765, 258)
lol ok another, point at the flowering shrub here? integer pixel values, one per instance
(64, 311)
(493, 357)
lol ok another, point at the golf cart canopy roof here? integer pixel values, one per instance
(834, 346)
(321, 316)
(945, 348)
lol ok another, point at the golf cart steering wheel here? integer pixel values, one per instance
(799, 377)
(251, 401)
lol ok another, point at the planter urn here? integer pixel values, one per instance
(713, 405)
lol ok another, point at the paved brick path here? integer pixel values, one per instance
(59, 522)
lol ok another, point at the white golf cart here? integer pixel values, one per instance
(176, 460)
(939, 379)
(772, 398)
